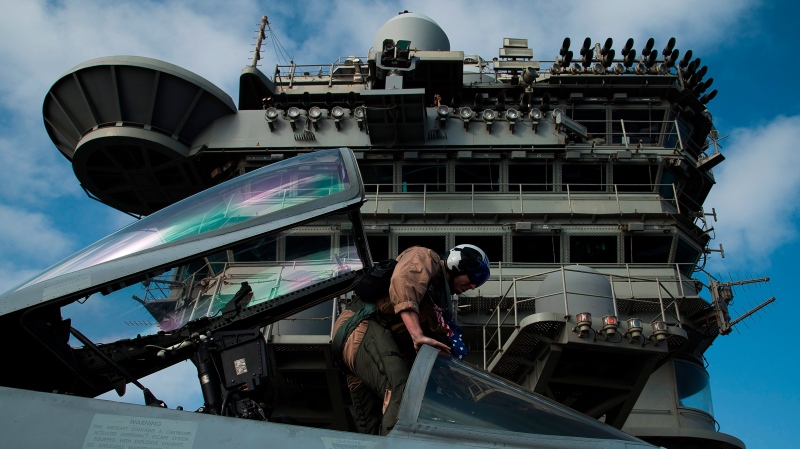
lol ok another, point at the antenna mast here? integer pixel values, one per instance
(259, 39)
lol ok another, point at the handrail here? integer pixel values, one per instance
(494, 336)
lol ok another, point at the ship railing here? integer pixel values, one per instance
(576, 194)
(670, 290)
(345, 70)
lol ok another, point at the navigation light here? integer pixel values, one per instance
(634, 329)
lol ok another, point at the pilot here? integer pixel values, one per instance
(379, 341)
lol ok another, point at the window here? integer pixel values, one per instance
(262, 250)
(417, 177)
(531, 177)
(583, 177)
(640, 125)
(378, 246)
(308, 247)
(377, 177)
(634, 178)
(484, 177)
(592, 249)
(647, 248)
(536, 248)
(686, 256)
(694, 387)
(491, 245)
(593, 119)
(437, 243)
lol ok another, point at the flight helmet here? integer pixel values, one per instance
(469, 260)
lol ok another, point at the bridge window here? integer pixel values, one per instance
(377, 177)
(530, 177)
(686, 256)
(647, 248)
(583, 177)
(437, 243)
(592, 249)
(634, 177)
(694, 387)
(640, 125)
(378, 246)
(416, 177)
(536, 248)
(491, 245)
(308, 247)
(484, 177)
(593, 119)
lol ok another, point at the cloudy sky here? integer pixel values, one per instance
(749, 47)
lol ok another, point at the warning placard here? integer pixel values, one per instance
(133, 432)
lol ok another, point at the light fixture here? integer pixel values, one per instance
(634, 329)
(512, 115)
(618, 69)
(584, 325)
(270, 114)
(659, 331)
(338, 113)
(610, 324)
(360, 113)
(488, 116)
(576, 69)
(663, 69)
(442, 112)
(571, 125)
(293, 113)
(314, 113)
(535, 115)
(466, 115)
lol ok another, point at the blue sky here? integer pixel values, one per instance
(750, 48)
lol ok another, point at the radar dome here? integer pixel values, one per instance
(421, 30)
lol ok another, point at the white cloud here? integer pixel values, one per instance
(757, 197)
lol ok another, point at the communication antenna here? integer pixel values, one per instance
(722, 297)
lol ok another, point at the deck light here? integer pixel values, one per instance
(535, 115)
(466, 115)
(270, 114)
(512, 115)
(315, 113)
(337, 112)
(634, 329)
(360, 113)
(443, 112)
(584, 325)
(685, 60)
(293, 113)
(488, 117)
(630, 58)
(627, 48)
(659, 331)
(610, 324)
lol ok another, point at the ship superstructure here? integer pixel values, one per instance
(583, 177)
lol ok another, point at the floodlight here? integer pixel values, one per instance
(337, 112)
(567, 58)
(360, 113)
(314, 114)
(708, 97)
(529, 75)
(564, 47)
(571, 125)
(609, 58)
(668, 48)
(293, 113)
(685, 60)
(443, 111)
(535, 114)
(627, 48)
(648, 46)
(607, 46)
(651, 59)
(663, 69)
(466, 115)
(670, 61)
(630, 58)
(512, 115)
(619, 69)
(271, 114)
(599, 69)
(587, 43)
(488, 117)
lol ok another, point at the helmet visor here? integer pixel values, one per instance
(479, 274)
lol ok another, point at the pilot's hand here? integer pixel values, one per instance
(423, 340)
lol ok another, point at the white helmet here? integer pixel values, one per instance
(469, 260)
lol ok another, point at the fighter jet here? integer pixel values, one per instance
(204, 278)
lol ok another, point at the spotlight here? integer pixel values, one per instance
(609, 58)
(576, 69)
(571, 125)
(567, 58)
(599, 69)
(670, 61)
(587, 59)
(702, 72)
(634, 329)
(293, 113)
(555, 69)
(315, 113)
(663, 69)
(619, 69)
(535, 115)
(270, 114)
(488, 117)
(512, 115)
(529, 75)
(443, 112)
(466, 115)
(584, 325)
(338, 113)
(360, 113)
(659, 331)
(587, 43)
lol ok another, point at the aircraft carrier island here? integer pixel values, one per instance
(581, 174)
